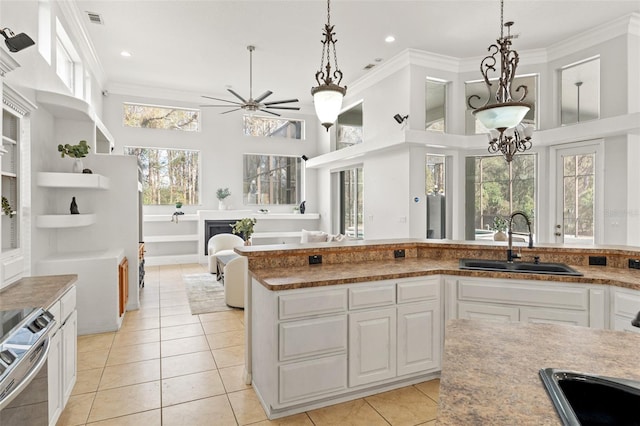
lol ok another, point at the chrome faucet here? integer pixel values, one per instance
(510, 254)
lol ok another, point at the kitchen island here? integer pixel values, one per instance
(490, 369)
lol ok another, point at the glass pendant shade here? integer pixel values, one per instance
(502, 116)
(328, 103)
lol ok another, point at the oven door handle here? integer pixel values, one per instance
(44, 354)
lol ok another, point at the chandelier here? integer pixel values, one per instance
(328, 95)
(507, 134)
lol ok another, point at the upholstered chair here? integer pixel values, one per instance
(221, 244)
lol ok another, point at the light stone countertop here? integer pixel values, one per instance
(490, 369)
(35, 292)
(334, 274)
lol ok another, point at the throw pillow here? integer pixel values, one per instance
(313, 237)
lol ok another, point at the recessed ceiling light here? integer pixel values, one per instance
(390, 39)
(125, 54)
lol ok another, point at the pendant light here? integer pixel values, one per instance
(328, 95)
(503, 119)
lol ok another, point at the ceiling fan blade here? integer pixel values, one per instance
(231, 110)
(270, 112)
(263, 96)
(287, 101)
(237, 96)
(223, 100)
(283, 107)
(221, 106)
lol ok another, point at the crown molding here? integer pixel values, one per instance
(15, 101)
(628, 24)
(7, 63)
(74, 18)
(434, 60)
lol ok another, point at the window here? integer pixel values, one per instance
(578, 201)
(499, 188)
(351, 203)
(435, 178)
(271, 179)
(580, 91)
(68, 64)
(435, 105)
(169, 175)
(349, 127)
(272, 127)
(479, 88)
(161, 117)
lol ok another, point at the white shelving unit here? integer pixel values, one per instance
(72, 180)
(65, 220)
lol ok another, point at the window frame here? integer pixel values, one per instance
(299, 181)
(271, 135)
(167, 107)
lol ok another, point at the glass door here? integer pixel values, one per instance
(351, 203)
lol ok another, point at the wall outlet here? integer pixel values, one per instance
(598, 260)
(316, 259)
(634, 263)
(398, 253)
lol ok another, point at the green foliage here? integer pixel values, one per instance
(178, 204)
(157, 117)
(6, 207)
(74, 151)
(499, 224)
(222, 193)
(244, 227)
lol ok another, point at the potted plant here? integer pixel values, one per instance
(75, 151)
(6, 207)
(244, 228)
(178, 204)
(499, 226)
(222, 194)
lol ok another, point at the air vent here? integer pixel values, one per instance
(369, 66)
(95, 18)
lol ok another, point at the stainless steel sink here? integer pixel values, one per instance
(588, 399)
(522, 267)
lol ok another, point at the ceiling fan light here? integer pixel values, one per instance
(502, 116)
(327, 100)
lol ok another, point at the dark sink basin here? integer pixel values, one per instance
(522, 267)
(588, 399)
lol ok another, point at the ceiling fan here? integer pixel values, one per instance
(251, 104)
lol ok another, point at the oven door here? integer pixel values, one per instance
(27, 402)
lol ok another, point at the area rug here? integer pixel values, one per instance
(205, 293)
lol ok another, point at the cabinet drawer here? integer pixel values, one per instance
(626, 303)
(312, 303)
(308, 379)
(368, 297)
(414, 291)
(67, 304)
(319, 336)
(524, 294)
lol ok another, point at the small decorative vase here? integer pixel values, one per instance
(500, 236)
(221, 205)
(77, 167)
(247, 242)
(303, 207)
(73, 208)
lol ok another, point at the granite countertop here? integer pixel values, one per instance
(490, 369)
(333, 274)
(35, 292)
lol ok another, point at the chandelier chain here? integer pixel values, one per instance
(501, 19)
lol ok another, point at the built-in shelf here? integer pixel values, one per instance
(72, 180)
(168, 217)
(277, 234)
(287, 216)
(8, 174)
(6, 139)
(65, 220)
(170, 238)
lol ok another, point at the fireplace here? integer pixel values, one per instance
(214, 227)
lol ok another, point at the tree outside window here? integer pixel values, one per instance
(169, 175)
(161, 117)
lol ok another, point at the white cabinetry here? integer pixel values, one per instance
(626, 305)
(312, 347)
(62, 360)
(527, 301)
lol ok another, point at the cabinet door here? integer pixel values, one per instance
(624, 324)
(372, 346)
(69, 355)
(123, 285)
(418, 337)
(54, 377)
(486, 311)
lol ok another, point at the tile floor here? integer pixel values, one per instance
(168, 367)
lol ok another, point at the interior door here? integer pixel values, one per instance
(577, 194)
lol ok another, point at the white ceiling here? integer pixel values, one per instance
(200, 46)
